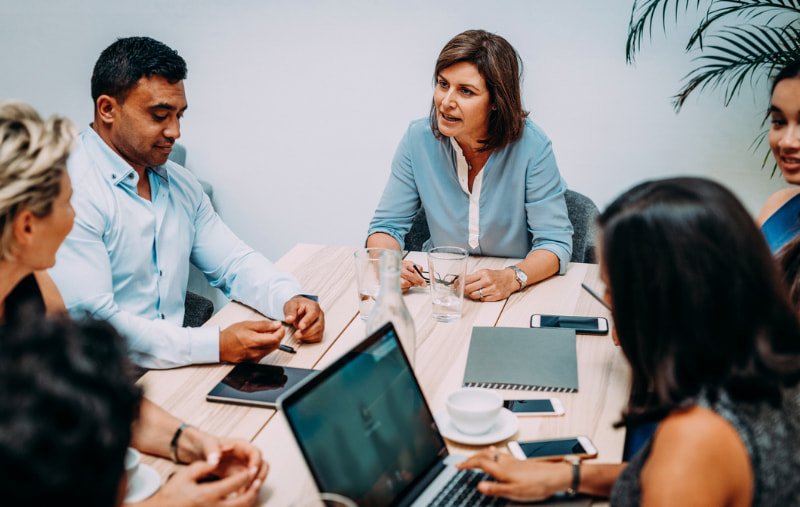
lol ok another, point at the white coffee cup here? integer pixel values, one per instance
(473, 410)
(132, 460)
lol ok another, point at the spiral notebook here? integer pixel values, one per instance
(526, 359)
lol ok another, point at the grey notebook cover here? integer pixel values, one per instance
(528, 359)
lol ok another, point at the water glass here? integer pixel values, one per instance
(368, 277)
(447, 267)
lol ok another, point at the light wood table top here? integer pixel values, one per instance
(603, 374)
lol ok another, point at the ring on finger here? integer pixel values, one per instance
(480, 292)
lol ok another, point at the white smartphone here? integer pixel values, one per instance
(547, 406)
(589, 325)
(553, 449)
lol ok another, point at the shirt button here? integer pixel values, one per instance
(162, 316)
(113, 176)
(160, 273)
(130, 176)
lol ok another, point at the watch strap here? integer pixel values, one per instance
(575, 461)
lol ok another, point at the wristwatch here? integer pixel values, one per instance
(575, 461)
(522, 278)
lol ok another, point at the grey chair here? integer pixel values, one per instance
(197, 310)
(582, 212)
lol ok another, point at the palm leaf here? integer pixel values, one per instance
(643, 14)
(743, 9)
(755, 147)
(738, 54)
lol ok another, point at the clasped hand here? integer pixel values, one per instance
(237, 470)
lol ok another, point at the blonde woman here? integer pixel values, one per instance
(35, 217)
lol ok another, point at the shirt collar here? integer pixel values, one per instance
(110, 164)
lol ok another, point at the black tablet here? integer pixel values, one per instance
(257, 384)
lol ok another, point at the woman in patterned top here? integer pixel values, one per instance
(714, 348)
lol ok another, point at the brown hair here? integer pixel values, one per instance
(501, 68)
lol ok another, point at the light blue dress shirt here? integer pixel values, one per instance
(521, 206)
(126, 260)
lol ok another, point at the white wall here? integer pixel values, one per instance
(296, 107)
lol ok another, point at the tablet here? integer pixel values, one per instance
(257, 384)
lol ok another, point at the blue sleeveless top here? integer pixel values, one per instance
(783, 225)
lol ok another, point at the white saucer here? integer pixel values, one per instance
(506, 425)
(146, 481)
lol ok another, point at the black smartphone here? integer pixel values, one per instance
(547, 406)
(589, 325)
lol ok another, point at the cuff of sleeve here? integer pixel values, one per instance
(390, 233)
(205, 345)
(563, 257)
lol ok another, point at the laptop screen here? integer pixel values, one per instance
(363, 425)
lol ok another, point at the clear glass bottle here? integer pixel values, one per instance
(391, 307)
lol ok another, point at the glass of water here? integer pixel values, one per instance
(368, 278)
(447, 269)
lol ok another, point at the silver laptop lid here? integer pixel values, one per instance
(364, 426)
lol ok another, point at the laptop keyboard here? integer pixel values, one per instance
(463, 490)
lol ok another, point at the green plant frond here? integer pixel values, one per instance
(741, 54)
(643, 14)
(742, 9)
(757, 145)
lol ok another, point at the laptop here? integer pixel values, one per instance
(366, 432)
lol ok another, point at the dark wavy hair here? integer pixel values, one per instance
(791, 70)
(789, 262)
(67, 403)
(122, 64)
(501, 68)
(697, 300)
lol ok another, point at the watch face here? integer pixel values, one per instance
(522, 278)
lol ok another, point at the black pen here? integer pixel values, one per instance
(287, 348)
(594, 295)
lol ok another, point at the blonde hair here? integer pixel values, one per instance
(33, 158)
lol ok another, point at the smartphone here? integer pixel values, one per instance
(589, 325)
(551, 406)
(553, 449)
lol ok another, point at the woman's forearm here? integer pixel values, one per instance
(538, 265)
(598, 480)
(153, 431)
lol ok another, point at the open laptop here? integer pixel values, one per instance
(367, 433)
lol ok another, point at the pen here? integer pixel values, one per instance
(287, 348)
(594, 295)
(416, 268)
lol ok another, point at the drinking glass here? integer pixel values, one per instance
(368, 277)
(447, 269)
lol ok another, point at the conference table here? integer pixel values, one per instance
(329, 272)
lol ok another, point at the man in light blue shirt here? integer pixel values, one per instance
(141, 219)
